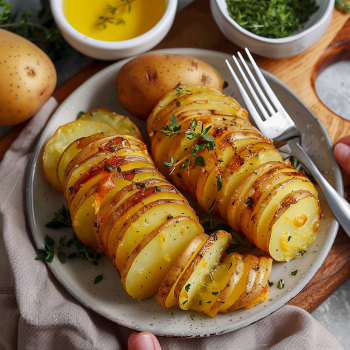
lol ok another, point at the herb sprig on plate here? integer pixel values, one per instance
(60, 220)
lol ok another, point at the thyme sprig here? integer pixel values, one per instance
(49, 251)
(171, 129)
(43, 32)
(104, 20)
(205, 141)
(61, 219)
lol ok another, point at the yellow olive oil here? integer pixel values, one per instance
(114, 20)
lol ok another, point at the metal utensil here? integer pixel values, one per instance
(277, 125)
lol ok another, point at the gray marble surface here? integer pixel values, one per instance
(333, 88)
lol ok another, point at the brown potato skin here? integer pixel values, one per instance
(28, 78)
(144, 80)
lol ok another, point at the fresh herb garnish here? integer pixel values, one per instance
(85, 253)
(205, 141)
(280, 284)
(61, 219)
(104, 20)
(270, 18)
(172, 129)
(99, 278)
(270, 283)
(293, 273)
(49, 251)
(169, 164)
(44, 34)
(215, 293)
(208, 220)
(187, 288)
(301, 252)
(219, 183)
(80, 114)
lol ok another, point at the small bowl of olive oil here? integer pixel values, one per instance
(113, 29)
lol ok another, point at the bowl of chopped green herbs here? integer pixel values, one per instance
(273, 28)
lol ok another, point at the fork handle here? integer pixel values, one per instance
(339, 206)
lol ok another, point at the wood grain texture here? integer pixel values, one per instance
(195, 27)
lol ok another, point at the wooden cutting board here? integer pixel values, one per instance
(195, 27)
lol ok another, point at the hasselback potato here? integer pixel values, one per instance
(122, 205)
(204, 143)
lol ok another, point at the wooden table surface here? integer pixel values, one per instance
(195, 27)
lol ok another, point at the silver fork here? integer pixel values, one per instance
(279, 126)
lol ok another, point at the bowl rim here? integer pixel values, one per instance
(68, 29)
(328, 11)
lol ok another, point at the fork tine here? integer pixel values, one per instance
(257, 86)
(252, 91)
(250, 106)
(264, 83)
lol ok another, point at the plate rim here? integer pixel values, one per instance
(229, 328)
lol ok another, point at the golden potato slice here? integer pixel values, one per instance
(111, 235)
(107, 144)
(182, 146)
(152, 259)
(71, 151)
(240, 194)
(207, 183)
(62, 138)
(257, 286)
(167, 99)
(122, 124)
(200, 269)
(222, 107)
(294, 225)
(264, 212)
(239, 168)
(127, 191)
(144, 221)
(249, 282)
(259, 299)
(193, 101)
(165, 296)
(230, 286)
(212, 285)
(94, 165)
(245, 282)
(257, 189)
(83, 216)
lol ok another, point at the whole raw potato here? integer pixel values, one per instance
(27, 78)
(144, 80)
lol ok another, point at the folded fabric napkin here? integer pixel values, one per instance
(37, 313)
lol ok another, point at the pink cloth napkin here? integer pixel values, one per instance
(37, 313)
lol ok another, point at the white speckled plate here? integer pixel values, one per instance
(108, 298)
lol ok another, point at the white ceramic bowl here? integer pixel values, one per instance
(113, 50)
(275, 48)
